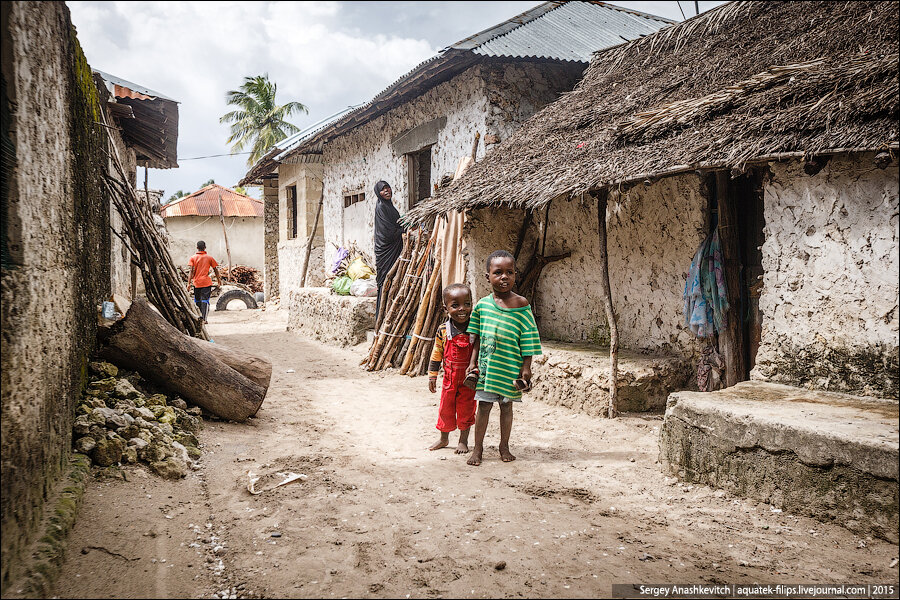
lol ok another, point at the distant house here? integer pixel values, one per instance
(196, 217)
(415, 132)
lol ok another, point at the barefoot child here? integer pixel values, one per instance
(506, 339)
(453, 345)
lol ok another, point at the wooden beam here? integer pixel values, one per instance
(602, 197)
(731, 339)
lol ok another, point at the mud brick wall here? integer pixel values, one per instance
(56, 262)
(307, 178)
(830, 295)
(270, 238)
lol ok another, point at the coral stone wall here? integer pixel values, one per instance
(830, 294)
(270, 238)
(57, 269)
(292, 251)
(653, 233)
(245, 239)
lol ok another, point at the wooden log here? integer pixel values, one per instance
(732, 337)
(606, 292)
(420, 317)
(144, 342)
(254, 368)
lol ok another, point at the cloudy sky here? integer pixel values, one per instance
(326, 55)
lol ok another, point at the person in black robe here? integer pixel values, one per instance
(388, 237)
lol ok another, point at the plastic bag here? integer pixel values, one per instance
(364, 288)
(339, 258)
(341, 285)
(358, 269)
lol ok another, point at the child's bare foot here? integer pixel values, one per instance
(462, 448)
(506, 455)
(441, 443)
(475, 459)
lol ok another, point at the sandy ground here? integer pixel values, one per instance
(583, 507)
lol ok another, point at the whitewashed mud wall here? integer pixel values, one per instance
(245, 239)
(830, 295)
(357, 160)
(291, 252)
(653, 234)
(490, 99)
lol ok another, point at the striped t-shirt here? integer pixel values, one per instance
(506, 335)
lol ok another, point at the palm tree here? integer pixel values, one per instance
(258, 122)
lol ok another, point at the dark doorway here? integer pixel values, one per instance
(736, 207)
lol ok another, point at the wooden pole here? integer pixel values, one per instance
(606, 291)
(312, 238)
(225, 233)
(732, 337)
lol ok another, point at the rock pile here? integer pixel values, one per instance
(117, 423)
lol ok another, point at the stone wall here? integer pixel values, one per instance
(56, 256)
(830, 294)
(270, 238)
(357, 160)
(329, 318)
(653, 233)
(245, 239)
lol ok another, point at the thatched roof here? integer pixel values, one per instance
(744, 82)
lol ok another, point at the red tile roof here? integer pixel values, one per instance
(205, 203)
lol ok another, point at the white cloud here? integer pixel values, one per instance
(327, 55)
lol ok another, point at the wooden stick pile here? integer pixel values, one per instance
(411, 308)
(150, 252)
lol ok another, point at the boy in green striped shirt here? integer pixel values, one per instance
(506, 337)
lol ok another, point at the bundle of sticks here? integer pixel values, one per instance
(411, 309)
(247, 276)
(150, 252)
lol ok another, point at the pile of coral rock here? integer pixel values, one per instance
(118, 423)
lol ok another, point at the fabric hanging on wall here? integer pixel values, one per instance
(450, 243)
(705, 296)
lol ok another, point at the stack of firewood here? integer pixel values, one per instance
(411, 309)
(246, 276)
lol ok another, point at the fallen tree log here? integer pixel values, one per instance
(256, 369)
(144, 342)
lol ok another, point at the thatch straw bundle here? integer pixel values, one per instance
(741, 83)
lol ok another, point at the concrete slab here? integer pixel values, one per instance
(826, 455)
(577, 376)
(330, 318)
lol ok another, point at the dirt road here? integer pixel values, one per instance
(583, 507)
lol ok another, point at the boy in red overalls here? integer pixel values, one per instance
(453, 346)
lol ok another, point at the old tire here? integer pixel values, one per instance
(224, 299)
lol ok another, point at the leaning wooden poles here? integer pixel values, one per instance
(602, 197)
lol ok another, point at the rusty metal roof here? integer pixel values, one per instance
(205, 203)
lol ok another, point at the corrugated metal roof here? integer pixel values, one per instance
(571, 31)
(289, 143)
(205, 203)
(131, 87)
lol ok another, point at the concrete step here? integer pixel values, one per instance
(577, 376)
(825, 455)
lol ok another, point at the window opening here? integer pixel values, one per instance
(419, 169)
(292, 212)
(351, 199)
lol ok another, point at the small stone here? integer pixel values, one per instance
(114, 419)
(138, 443)
(187, 438)
(124, 406)
(219, 550)
(181, 452)
(170, 468)
(85, 444)
(82, 425)
(143, 413)
(107, 452)
(178, 403)
(275, 535)
(500, 565)
(104, 385)
(646, 557)
(130, 455)
(124, 389)
(167, 415)
(195, 411)
(156, 400)
(167, 429)
(155, 452)
(97, 417)
(129, 431)
(128, 418)
(103, 369)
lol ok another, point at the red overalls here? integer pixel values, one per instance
(457, 409)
